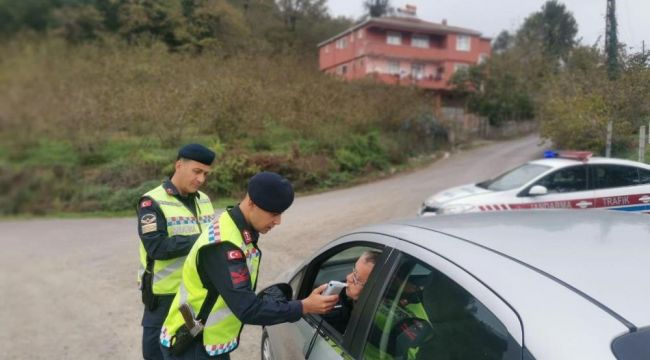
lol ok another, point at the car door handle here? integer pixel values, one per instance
(644, 198)
(584, 204)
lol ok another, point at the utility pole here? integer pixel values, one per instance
(611, 39)
(611, 50)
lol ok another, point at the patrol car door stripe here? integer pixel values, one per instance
(633, 208)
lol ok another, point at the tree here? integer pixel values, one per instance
(377, 8)
(502, 42)
(553, 29)
(79, 22)
(495, 91)
(293, 10)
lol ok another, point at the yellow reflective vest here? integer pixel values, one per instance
(222, 327)
(180, 221)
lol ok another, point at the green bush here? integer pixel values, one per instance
(363, 153)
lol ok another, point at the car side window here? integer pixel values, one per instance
(644, 176)
(340, 266)
(611, 176)
(423, 314)
(565, 180)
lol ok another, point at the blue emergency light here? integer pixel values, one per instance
(549, 154)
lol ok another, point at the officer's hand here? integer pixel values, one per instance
(316, 303)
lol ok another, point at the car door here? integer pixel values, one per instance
(313, 337)
(429, 308)
(621, 187)
(567, 188)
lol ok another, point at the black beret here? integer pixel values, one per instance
(197, 152)
(270, 191)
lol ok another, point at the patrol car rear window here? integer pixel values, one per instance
(514, 178)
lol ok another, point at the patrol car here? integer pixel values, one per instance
(565, 180)
(547, 285)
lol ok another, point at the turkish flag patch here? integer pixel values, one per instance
(145, 203)
(235, 255)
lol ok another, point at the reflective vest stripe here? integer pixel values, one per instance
(217, 316)
(167, 271)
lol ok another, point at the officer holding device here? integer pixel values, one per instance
(216, 295)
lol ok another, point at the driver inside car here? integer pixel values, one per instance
(355, 282)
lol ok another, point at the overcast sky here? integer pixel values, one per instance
(490, 17)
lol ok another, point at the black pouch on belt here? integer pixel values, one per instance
(182, 341)
(149, 300)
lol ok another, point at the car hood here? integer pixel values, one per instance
(456, 193)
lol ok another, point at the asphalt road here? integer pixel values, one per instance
(68, 287)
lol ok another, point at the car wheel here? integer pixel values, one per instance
(266, 346)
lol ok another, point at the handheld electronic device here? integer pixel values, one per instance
(334, 287)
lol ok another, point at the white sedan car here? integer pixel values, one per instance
(546, 285)
(568, 180)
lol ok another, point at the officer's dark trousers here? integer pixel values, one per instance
(151, 343)
(196, 352)
(151, 323)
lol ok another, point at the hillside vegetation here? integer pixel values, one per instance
(90, 127)
(96, 96)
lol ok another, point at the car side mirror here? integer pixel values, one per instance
(538, 190)
(281, 292)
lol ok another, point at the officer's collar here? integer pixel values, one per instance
(243, 226)
(171, 189)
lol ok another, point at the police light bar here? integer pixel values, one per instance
(549, 154)
(576, 155)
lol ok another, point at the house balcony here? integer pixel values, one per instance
(403, 52)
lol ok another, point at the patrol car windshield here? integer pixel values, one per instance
(514, 178)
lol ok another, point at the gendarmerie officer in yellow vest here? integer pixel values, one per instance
(170, 219)
(220, 276)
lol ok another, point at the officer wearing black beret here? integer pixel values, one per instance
(170, 219)
(220, 277)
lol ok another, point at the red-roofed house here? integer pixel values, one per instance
(403, 49)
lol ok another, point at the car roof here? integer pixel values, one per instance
(601, 254)
(562, 162)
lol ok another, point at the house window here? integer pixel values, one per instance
(327, 48)
(344, 69)
(460, 67)
(420, 41)
(394, 38)
(393, 67)
(417, 71)
(342, 43)
(463, 43)
(360, 34)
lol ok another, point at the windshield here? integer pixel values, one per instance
(514, 178)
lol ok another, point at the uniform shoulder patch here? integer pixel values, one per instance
(148, 223)
(146, 203)
(148, 219)
(239, 275)
(248, 238)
